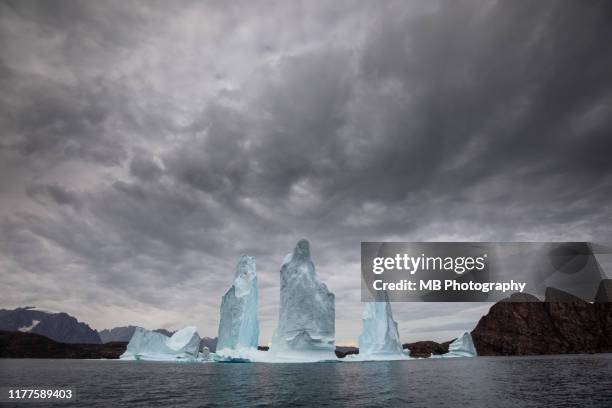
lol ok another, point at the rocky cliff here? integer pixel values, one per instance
(423, 349)
(562, 323)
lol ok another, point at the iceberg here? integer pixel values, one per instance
(462, 346)
(238, 325)
(306, 323)
(153, 346)
(379, 338)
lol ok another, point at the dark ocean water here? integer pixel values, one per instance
(552, 381)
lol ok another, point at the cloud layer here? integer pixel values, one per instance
(145, 145)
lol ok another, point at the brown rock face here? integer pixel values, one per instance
(426, 348)
(603, 307)
(604, 293)
(563, 323)
(343, 351)
(575, 320)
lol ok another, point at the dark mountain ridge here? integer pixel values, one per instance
(125, 333)
(60, 327)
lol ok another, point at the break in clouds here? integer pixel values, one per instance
(145, 145)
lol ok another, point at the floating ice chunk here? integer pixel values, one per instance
(144, 343)
(379, 336)
(150, 345)
(462, 346)
(306, 323)
(355, 358)
(185, 340)
(259, 356)
(238, 325)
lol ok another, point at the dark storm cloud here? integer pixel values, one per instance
(289, 133)
(489, 90)
(44, 117)
(145, 168)
(146, 145)
(58, 194)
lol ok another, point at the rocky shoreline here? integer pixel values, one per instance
(31, 345)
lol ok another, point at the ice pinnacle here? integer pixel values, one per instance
(306, 323)
(238, 326)
(379, 334)
(461, 347)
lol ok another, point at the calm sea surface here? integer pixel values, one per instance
(557, 381)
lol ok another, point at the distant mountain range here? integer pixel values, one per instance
(124, 333)
(64, 328)
(60, 327)
(210, 342)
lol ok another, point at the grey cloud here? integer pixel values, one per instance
(58, 194)
(156, 142)
(215, 159)
(44, 117)
(145, 168)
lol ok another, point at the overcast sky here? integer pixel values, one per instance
(145, 145)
